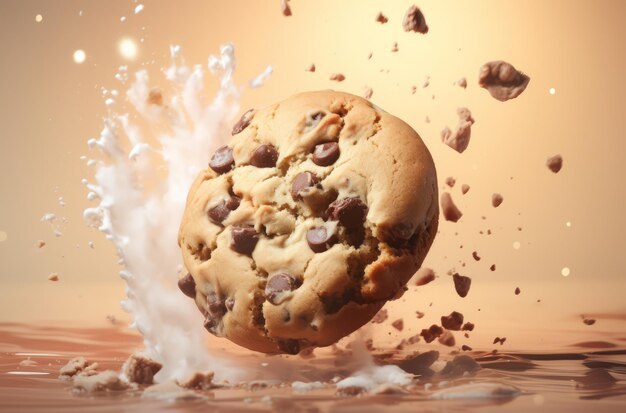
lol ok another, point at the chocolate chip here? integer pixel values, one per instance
(278, 284)
(265, 156)
(301, 183)
(431, 333)
(414, 21)
(243, 122)
(229, 303)
(476, 256)
(289, 346)
(454, 321)
(468, 326)
(188, 286)
(321, 238)
(215, 305)
(461, 284)
(326, 154)
(350, 212)
(220, 212)
(222, 160)
(244, 239)
(466, 348)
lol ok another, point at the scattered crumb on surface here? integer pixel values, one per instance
(198, 381)
(140, 369)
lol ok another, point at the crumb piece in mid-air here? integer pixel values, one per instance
(311, 68)
(140, 369)
(461, 284)
(105, 381)
(476, 256)
(198, 381)
(155, 97)
(555, 163)
(431, 333)
(502, 80)
(496, 200)
(426, 82)
(449, 209)
(394, 48)
(468, 326)
(284, 7)
(517, 291)
(381, 18)
(465, 188)
(459, 140)
(368, 92)
(398, 324)
(369, 56)
(419, 314)
(493, 267)
(414, 21)
(450, 181)
(466, 348)
(589, 321)
(337, 77)
(453, 321)
(424, 276)
(40, 243)
(462, 82)
(413, 89)
(53, 277)
(447, 339)
(77, 365)
(500, 340)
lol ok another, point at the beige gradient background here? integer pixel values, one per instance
(51, 105)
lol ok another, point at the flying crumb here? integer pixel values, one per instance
(447, 339)
(450, 181)
(337, 77)
(493, 267)
(419, 314)
(465, 348)
(381, 18)
(453, 321)
(425, 275)
(414, 21)
(589, 321)
(517, 291)
(40, 243)
(426, 82)
(111, 319)
(394, 48)
(462, 82)
(449, 209)
(369, 56)
(476, 256)
(413, 89)
(496, 200)
(311, 68)
(433, 332)
(499, 340)
(427, 119)
(398, 324)
(380, 316)
(468, 326)
(555, 163)
(465, 188)
(284, 7)
(461, 284)
(367, 94)
(502, 80)
(53, 277)
(459, 140)
(155, 97)
(198, 381)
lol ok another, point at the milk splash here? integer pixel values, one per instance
(142, 183)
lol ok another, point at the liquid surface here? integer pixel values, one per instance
(586, 376)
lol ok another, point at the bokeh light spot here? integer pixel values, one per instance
(128, 48)
(565, 272)
(517, 245)
(3, 236)
(552, 91)
(79, 56)
(39, 18)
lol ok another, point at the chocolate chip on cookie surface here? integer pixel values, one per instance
(318, 211)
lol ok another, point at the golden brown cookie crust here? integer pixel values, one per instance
(383, 168)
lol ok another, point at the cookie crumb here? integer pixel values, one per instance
(461, 284)
(426, 82)
(502, 80)
(419, 314)
(517, 291)
(433, 332)
(555, 163)
(106, 381)
(589, 321)
(369, 56)
(413, 89)
(493, 267)
(475, 256)
(311, 68)
(75, 366)
(284, 7)
(337, 77)
(198, 381)
(459, 140)
(496, 200)
(462, 82)
(140, 369)
(499, 340)
(367, 94)
(449, 209)
(381, 18)
(53, 277)
(425, 276)
(453, 321)
(447, 339)
(465, 188)
(450, 181)
(466, 348)
(468, 326)
(394, 48)
(414, 21)
(111, 319)
(40, 243)
(380, 316)
(398, 324)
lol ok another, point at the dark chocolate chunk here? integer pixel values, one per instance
(301, 183)
(220, 212)
(278, 284)
(431, 333)
(350, 212)
(188, 286)
(454, 321)
(461, 284)
(289, 346)
(320, 238)
(222, 160)
(215, 305)
(517, 291)
(244, 239)
(265, 156)
(468, 326)
(243, 122)
(326, 154)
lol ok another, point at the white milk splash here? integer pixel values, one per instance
(142, 183)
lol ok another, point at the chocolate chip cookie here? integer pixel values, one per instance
(317, 212)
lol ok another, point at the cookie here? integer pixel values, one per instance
(318, 211)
